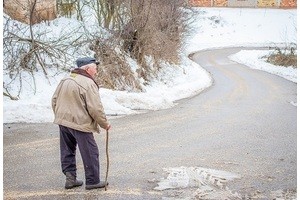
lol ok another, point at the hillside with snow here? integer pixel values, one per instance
(213, 28)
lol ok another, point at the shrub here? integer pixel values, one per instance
(283, 57)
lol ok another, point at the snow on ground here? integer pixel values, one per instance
(256, 59)
(228, 27)
(213, 28)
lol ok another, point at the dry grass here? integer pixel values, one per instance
(286, 57)
(114, 72)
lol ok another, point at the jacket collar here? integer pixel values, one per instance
(84, 73)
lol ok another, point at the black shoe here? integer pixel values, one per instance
(71, 181)
(99, 185)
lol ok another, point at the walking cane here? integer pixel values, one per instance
(107, 160)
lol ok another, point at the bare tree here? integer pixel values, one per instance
(152, 28)
(140, 29)
(156, 28)
(29, 53)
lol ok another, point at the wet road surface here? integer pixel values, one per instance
(244, 124)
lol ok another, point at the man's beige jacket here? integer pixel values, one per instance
(76, 104)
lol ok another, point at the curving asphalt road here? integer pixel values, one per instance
(244, 123)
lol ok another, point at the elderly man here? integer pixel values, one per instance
(78, 112)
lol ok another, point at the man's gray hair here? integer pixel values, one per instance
(88, 65)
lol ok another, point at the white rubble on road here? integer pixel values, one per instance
(189, 183)
(284, 195)
(205, 183)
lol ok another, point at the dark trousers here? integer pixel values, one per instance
(69, 138)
